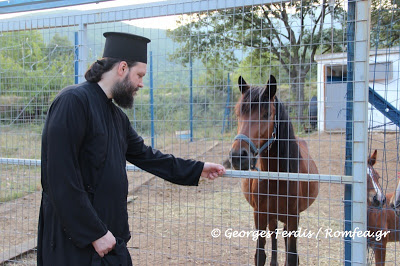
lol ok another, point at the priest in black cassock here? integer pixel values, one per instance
(86, 142)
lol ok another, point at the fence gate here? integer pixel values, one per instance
(198, 52)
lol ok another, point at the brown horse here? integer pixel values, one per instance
(395, 200)
(266, 141)
(380, 216)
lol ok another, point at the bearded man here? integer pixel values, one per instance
(86, 142)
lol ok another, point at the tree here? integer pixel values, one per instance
(32, 72)
(290, 33)
(385, 26)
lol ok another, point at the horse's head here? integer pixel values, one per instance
(376, 197)
(255, 112)
(395, 200)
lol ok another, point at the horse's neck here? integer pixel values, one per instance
(268, 161)
(268, 164)
(389, 196)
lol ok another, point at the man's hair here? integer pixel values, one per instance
(101, 66)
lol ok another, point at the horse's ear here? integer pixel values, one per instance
(243, 87)
(271, 86)
(372, 159)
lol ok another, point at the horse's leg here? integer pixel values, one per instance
(383, 256)
(377, 251)
(384, 242)
(273, 224)
(291, 242)
(380, 252)
(285, 238)
(261, 222)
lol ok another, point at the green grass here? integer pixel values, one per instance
(19, 141)
(17, 181)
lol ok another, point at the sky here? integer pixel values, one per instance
(159, 23)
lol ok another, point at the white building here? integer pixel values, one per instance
(384, 71)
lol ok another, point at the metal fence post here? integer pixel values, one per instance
(360, 127)
(82, 52)
(349, 130)
(151, 100)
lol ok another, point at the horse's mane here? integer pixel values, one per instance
(285, 148)
(289, 153)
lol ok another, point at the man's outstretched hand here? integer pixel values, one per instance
(212, 170)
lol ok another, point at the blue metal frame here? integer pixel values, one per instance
(384, 106)
(191, 100)
(14, 6)
(151, 100)
(349, 129)
(76, 59)
(227, 107)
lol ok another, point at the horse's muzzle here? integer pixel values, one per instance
(378, 202)
(396, 208)
(240, 159)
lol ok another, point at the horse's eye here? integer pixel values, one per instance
(265, 116)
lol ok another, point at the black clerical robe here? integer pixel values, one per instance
(86, 142)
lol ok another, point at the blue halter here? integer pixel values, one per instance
(254, 151)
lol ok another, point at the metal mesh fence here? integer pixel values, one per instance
(383, 126)
(198, 51)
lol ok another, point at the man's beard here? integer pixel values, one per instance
(122, 93)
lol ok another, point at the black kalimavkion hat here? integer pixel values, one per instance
(126, 46)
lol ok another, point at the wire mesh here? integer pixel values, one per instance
(199, 49)
(383, 127)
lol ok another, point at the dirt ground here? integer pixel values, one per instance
(172, 225)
